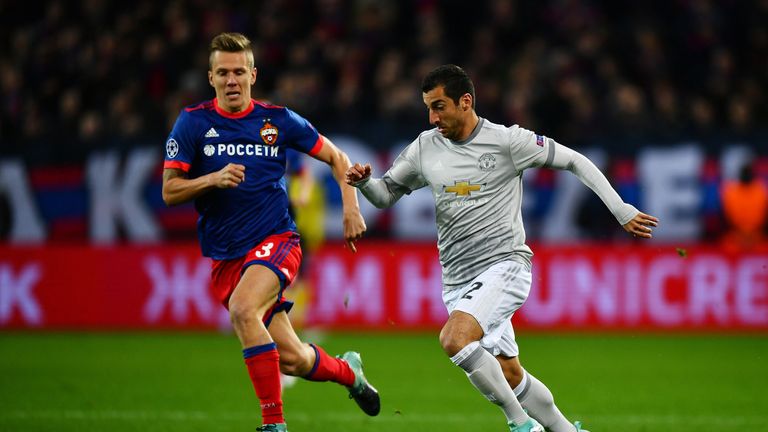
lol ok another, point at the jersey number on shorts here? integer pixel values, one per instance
(475, 286)
(265, 250)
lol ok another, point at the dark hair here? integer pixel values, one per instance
(453, 78)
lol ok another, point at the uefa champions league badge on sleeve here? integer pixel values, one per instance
(171, 148)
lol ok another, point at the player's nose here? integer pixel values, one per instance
(434, 119)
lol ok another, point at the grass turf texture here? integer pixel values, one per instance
(197, 382)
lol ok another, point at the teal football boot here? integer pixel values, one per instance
(273, 427)
(577, 425)
(530, 426)
(366, 396)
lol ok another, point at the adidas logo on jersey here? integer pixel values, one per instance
(211, 133)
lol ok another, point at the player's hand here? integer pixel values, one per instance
(354, 228)
(228, 177)
(358, 172)
(641, 225)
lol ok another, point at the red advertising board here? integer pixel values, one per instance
(106, 288)
(387, 285)
(594, 286)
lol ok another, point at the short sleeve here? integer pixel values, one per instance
(527, 148)
(304, 136)
(406, 170)
(180, 145)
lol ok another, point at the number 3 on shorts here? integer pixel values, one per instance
(475, 286)
(265, 250)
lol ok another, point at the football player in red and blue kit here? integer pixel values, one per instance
(229, 156)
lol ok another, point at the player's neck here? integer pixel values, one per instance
(469, 126)
(233, 112)
(234, 109)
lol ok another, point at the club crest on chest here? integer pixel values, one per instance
(486, 162)
(268, 133)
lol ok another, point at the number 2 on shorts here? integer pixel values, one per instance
(475, 286)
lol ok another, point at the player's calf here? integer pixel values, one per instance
(296, 363)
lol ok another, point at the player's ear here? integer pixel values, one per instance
(465, 102)
(210, 78)
(254, 72)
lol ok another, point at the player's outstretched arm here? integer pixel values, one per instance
(634, 221)
(354, 224)
(178, 189)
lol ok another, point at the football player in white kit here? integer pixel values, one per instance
(474, 168)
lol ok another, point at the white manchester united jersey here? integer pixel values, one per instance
(477, 187)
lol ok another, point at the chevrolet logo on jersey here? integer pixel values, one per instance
(462, 188)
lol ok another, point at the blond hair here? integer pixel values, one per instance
(231, 42)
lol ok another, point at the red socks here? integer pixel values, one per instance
(329, 368)
(263, 365)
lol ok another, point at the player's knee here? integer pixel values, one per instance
(241, 316)
(460, 330)
(453, 341)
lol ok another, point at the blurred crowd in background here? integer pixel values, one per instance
(618, 77)
(76, 76)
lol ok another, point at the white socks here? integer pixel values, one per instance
(535, 397)
(484, 372)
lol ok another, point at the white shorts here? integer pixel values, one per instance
(491, 298)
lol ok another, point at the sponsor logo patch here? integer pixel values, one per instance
(462, 188)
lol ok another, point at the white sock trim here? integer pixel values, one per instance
(468, 356)
(523, 386)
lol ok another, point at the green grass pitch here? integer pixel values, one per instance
(197, 382)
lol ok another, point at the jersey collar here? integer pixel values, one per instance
(474, 133)
(236, 115)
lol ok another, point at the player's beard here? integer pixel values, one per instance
(449, 131)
